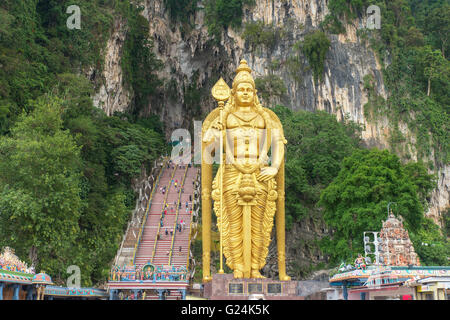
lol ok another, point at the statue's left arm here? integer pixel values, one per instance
(278, 142)
(275, 133)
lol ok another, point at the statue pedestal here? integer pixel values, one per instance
(226, 287)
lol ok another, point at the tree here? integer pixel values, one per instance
(431, 246)
(317, 144)
(220, 14)
(357, 199)
(438, 25)
(435, 66)
(113, 152)
(315, 47)
(181, 9)
(68, 206)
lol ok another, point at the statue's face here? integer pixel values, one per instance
(245, 94)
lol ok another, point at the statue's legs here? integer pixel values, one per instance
(246, 226)
(233, 247)
(258, 232)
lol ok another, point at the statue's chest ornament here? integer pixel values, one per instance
(246, 117)
(245, 121)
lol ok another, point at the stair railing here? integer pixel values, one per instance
(190, 227)
(176, 216)
(125, 236)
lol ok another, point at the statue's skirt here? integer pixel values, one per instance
(244, 195)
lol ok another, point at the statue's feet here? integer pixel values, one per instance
(238, 274)
(256, 274)
(284, 277)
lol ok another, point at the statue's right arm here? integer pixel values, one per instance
(212, 133)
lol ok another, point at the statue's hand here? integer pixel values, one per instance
(211, 134)
(217, 125)
(267, 173)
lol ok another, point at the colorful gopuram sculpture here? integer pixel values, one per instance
(397, 248)
(17, 281)
(248, 189)
(10, 262)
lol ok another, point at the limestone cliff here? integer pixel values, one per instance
(112, 95)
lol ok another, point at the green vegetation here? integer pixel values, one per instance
(295, 63)
(436, 24)
(357, 199)
(181, 10)
(261, 35)
(35, 45)
(270, 86)
(343, 10)
(315, 47)
(193, 94)
(317, 144)
(139, 62)
(414, 34)
(40, 186)
(220, 14)
(432, 247)
(70, 192)
(66, 168)
(374, 108)
(410, 76)
(330, 178)
(446, 223)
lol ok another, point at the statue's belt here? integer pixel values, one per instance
(245, 168)
(248, 175)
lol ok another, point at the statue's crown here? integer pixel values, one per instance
(243, 74)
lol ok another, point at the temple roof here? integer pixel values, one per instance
(14, 270)
(400, 272)
(42, 278)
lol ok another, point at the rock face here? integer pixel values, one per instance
(440, 197)
(112, 95)
(341, 92)
(192, 59)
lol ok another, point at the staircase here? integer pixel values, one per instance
(181, 239)
(149, 242)
(155, 246)
(161, 253)
(146, 246)
(127, 250)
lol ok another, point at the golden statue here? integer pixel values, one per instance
(248, 191)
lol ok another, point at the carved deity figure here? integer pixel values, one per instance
(248, 189)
